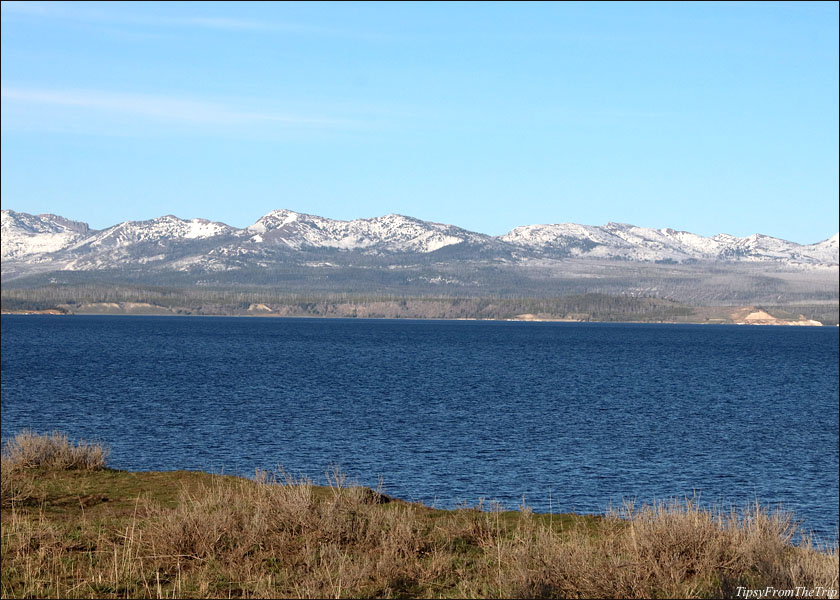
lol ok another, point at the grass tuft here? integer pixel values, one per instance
(29, 450)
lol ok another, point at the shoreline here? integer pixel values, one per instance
(193, 534)
(772, 322)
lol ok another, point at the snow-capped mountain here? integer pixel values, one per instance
(620, 240)
(24, 235)
(825, 251)
(141, 242)
(160, 229)
(50, 243)
(391, 233)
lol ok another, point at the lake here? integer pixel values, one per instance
(570, 416)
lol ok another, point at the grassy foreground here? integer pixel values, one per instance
(73, 528)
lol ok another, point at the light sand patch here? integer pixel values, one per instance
(119, 308)
(762, 317)
(259, 307)
(101, 305)
(542, 317)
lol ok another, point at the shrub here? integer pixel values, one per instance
(29, 450)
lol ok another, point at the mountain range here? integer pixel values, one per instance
(39, 243)
(48, 260)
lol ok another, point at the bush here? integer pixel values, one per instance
(28, 450)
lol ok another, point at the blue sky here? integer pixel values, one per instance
(708, 117)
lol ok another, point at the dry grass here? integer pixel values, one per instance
(279, 536)
(15, 487)
(28, 450)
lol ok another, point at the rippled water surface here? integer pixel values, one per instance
(448, 411)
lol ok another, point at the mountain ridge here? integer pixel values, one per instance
(37, 243)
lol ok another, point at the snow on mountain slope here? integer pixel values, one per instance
(49, 242)
(614, 240)
(620, 240)
(391, 233)
(661, 244)
(559, 236)
(155, 230)
(826, 251)
(142, 242)
(24, 235)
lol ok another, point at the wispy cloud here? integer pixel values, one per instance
(233, 24)
(71, 12)
(28, 108)
(28, 8)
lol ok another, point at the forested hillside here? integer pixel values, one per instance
(126, 299)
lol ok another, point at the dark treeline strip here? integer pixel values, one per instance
(337, 275)
(599, 307)
(201, 300)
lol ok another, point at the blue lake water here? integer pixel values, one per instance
(449, 411)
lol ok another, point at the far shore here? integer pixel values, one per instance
(755, 317)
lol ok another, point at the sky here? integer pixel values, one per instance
(704, 117)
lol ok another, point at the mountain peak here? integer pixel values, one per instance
(389, 233)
